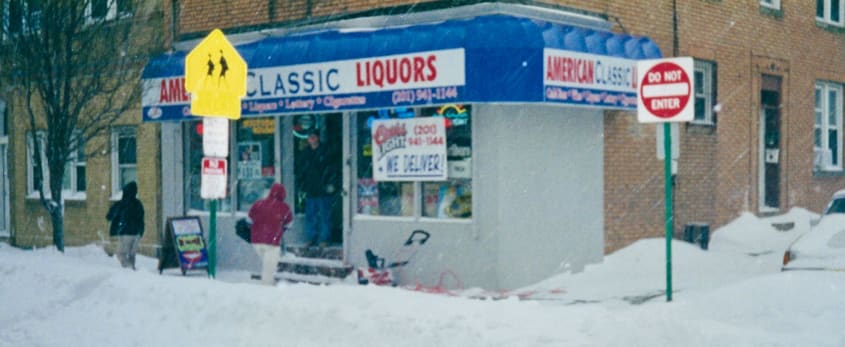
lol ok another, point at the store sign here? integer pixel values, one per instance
(397, 80)
(189, 242)
(260, 126)
(421, 78)
(587, 79)
(409, 149)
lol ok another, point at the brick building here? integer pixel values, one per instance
(126, 150)
(767, 135)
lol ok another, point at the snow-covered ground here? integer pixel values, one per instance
(731, 295)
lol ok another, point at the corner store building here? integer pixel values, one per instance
(525, 90)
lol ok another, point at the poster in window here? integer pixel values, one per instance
(249, 160)
(409, 149)
(368, 196)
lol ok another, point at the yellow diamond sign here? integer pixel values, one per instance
(215, 75)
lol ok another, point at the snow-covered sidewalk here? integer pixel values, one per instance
(732, 294)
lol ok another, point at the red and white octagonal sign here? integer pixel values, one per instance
(665, 90)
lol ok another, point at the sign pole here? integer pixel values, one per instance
(665, 90)
(667, 167)
(212, 238)
(215, 75)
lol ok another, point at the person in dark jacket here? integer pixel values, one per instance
(314, 176)
(127, 224)
(270, 216)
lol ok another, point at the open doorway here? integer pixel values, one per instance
(318, 146)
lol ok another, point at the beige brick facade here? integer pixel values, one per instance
(717, 175)
(85, 218)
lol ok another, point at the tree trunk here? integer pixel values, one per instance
(56, 205)
(58, 228)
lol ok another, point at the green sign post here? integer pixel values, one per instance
(667, 168)
(664, 91)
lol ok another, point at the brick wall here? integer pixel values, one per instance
(85, 219)
(718, 169)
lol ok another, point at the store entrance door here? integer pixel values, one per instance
(319, 174)
(4, 189)
(770, 144)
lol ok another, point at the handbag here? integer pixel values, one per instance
(242, 229)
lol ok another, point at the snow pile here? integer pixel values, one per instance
(726, 296)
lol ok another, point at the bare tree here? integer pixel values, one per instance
(75, 65)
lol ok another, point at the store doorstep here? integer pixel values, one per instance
(311, 269)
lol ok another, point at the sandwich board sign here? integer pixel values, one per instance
(665, 92)
(183, 245)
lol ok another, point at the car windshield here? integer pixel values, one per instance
(836, 206)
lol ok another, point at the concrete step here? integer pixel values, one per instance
(329, 252)
(310, 279)
(320, 266)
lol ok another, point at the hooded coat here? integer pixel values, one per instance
(127, 215)
(270, 216)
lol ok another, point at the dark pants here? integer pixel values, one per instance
(318, 211)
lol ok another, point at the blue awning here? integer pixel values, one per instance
(493, 58)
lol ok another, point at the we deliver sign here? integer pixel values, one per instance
(409, 149)
(665, 90)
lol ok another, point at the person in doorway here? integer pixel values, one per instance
(314, 177)
(127, 224)
(270, 217)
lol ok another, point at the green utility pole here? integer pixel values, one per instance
(212, 238)
(667, 167)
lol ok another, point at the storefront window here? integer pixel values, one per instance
(380, 198)
(453, 198)
(255, 161)
(442, 199)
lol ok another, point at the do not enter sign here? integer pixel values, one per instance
(665, 90)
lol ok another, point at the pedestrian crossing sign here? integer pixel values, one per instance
(215, 75)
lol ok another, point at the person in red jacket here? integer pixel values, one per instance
(270, 216)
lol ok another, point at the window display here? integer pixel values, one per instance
(380, 198)
(453, 198)
(439, 199)
(254, 166)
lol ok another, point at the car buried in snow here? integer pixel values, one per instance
(823, 247)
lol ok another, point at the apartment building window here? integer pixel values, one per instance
(124, 158)
(109, 9)
(705, 92)
(830, 11)
(74, 182)
(21, 14)
(773, 4)
(827, 137)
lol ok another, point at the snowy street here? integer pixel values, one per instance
(731, 295)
